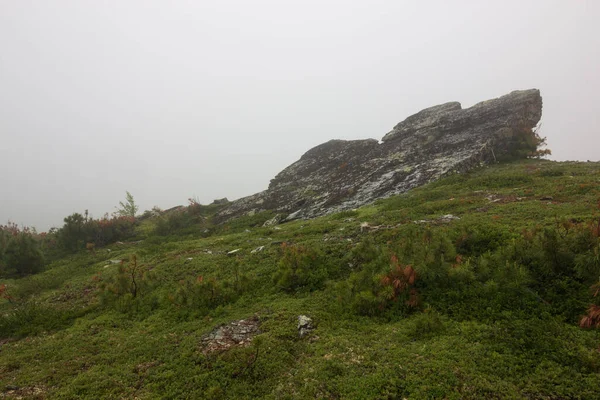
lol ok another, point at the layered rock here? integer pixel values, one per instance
(345, 174)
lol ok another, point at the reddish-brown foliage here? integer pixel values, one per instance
(592, 319)
(401, 278)
(5, 295)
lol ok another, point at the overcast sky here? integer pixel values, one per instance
(207, 99)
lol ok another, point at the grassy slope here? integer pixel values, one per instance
(151, 350)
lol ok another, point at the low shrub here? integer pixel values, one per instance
(300, 267)
(31, 318)
(22, 255)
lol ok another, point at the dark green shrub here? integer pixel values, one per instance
(426, 325)
(30, 318)
(300, 267)
(131, 288)
(22, 255)
(481, 238)
(203, 295)
(78, 231)
(169, 224)
(72, 234)
(185, 220)
(523, 142)
(379, 283)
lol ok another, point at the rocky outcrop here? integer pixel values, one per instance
(345, 174)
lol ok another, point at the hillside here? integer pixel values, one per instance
(470, 287)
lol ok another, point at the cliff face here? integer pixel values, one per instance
(345, 174)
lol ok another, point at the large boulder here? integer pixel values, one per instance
(344, 174)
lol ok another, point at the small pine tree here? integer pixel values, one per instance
(23, 255)
(128, 208)
(524, 143)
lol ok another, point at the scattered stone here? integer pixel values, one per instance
(273, 221)
(233, 251)
(258, 249)
(305, 325)
(236, 333)
(116, 261)
(448, 218)
(294, 215)
(17, 392)
(189, 259)
(443, 219)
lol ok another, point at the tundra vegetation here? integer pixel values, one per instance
(501, 302)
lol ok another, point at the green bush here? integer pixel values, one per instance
(174, 221)
(22, 255)
(300, 267)
(201, 295)
(31, 318)
(131, 288)
(186, 220)
(523, 143)
(426, 325)
(78, 230)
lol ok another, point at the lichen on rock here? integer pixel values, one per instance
(345, 174)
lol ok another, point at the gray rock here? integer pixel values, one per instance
(346, 174)
(305, 325)
(273, 221)
(220, 201)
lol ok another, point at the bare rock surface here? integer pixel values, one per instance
(345, 174)
(236, 333)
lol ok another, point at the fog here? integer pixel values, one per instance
(207, 99)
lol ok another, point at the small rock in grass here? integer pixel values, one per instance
(305, 325)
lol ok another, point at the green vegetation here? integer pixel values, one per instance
(415, 305)
(20, 254)
(127, 208)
